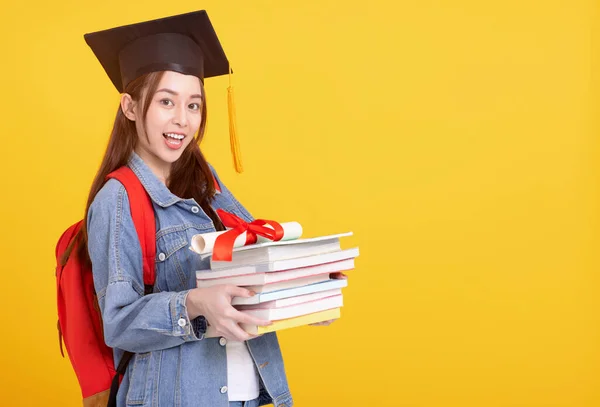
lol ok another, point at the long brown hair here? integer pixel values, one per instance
(190, 175)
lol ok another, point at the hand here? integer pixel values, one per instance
(323, 323)
(214, 303)
(338, 276)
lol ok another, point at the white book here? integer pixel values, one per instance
(280, 265)
(291, 292)
(281, 250)
(277, 276)
(274, 314)
(286, 302)
(282, 285)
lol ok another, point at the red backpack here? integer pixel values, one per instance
(79, 318)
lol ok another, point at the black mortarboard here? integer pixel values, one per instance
(185, 43)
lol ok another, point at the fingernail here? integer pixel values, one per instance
(251, 293)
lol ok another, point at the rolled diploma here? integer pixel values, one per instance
(205, 242)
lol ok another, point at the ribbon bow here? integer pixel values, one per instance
(223, 249)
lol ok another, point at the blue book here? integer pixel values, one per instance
(330, 284)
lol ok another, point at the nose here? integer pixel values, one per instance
(180, 116)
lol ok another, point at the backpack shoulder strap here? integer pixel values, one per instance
(143, 219)
(66, 244)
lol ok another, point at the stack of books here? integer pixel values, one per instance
(295, 281)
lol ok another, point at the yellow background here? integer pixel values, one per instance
(457, 139)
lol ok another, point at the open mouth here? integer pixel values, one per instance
(173, 140)
(173, 136)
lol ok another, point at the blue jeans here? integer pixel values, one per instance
(249, 403)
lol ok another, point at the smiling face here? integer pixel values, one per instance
(173, 118)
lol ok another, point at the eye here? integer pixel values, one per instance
(166, 102)
(194, 106)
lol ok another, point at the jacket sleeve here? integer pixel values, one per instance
(132, 321)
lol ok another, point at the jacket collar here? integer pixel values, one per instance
(159, 193)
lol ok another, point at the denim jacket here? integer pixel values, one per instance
(173, 365)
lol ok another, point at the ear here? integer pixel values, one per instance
(128, 106)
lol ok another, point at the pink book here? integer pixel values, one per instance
(274, 314)
(279, 276)
(286, 302)
(279, 265)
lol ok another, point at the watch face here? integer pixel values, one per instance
(200, 324)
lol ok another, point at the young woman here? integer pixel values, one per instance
(159, 67)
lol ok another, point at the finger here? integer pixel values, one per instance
(323, 323)
(236, 291)
(237, 333)
(244, 318)
(224, 331)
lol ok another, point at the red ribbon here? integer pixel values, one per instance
(223, 249)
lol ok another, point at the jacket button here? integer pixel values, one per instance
(162, 257)
(181, 322)
(195, 209)
(223, 390)
(222, 341)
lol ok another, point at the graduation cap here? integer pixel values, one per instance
(185, 43)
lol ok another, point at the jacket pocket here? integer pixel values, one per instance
(173, 274)
(139, 379)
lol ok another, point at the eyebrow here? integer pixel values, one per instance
(172, 92)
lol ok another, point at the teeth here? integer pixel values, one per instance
(175, 136)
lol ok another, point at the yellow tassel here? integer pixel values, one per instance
(233, 138)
